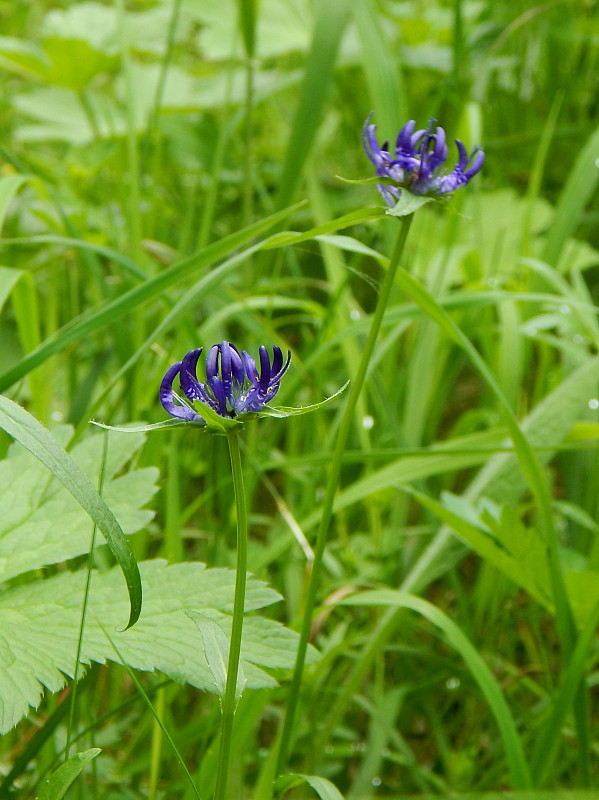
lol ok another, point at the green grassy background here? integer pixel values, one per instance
(144, 146)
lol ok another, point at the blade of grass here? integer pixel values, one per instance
(579, 188)
(83, 326)
(518, 767)
(381, 68)
(328, 29)
(527, 458)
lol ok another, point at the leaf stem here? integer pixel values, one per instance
(347, 421)
(230, 697)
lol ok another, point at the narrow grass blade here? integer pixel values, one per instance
(381, 68)
(247, 11)
(330, 24)
(527, 459)
(551, 733)
(500, 479)
(58, 783)
(481, 673)
(83, 326)
(9, 186)
(323, 787)
(8, 279)
(573, 199)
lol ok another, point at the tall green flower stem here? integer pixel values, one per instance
(230, 697)
(347, 421)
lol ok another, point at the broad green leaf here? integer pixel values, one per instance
(41, 523)
(75, 63)
(40, 621)
(57, 784)
(283, 26)
(59, 115)
(91, 22)
(216, 650)
(23, 57)
(19, 424)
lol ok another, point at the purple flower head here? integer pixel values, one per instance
(234, 385)
(419, 162)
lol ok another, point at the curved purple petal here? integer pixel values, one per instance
(277, 360)
(462, 155)
(264, 368)
(250, 367)
(219, 395)
(369, 141)
(212, 362)
(225, 368)
(237, 365)
(439, 154)
(189, 381)
(166, 395)
(282, 370)
(403, 143)
(477, 159)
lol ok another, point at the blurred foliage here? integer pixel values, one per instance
(136, 135)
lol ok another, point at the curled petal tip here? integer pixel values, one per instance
(477, 159)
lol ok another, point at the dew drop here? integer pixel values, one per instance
(367, 422)
(376, 781)
(594, 403)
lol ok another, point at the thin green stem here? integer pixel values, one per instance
(230, 698)
(347, 421)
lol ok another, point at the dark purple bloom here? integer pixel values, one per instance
(233, 384)
(418, 162)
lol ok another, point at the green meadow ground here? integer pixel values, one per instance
(149, 150)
